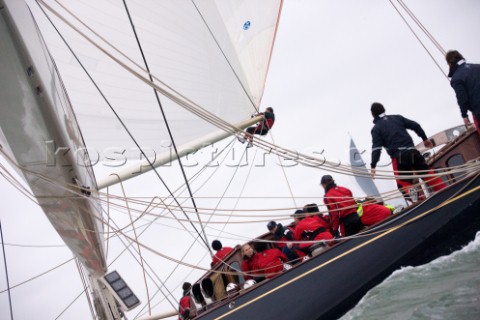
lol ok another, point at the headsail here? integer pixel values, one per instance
(215, 53)
(363, 178)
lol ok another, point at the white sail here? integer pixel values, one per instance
(201, 49)
(208, 60)
(365, 182)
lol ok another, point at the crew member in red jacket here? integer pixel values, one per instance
(184, 305)
(268, 262)
(342, 208)
(312, 227)
(370, 213)
(283, 235)
(261, 129)
(221, 253)
(248, 263)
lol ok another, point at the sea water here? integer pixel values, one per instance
(446, 288)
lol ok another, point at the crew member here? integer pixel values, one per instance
(282, 235)
(260, 129)
(268, 262)
(371, 213)
(391, 133)
(221, 253)
(465, 81)
(342, 208)
(311, 228)
(184, 305)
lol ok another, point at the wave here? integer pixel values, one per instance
(445, 288)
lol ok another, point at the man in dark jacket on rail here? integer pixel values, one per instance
(465, 80)
(391, 133)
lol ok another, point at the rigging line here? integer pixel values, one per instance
(228, 186)
(166, 124)
(38, 275)
(421, 26)
(472, 166)
(241, 191)
(85, 287)
(127, 248)
(112, 109)
(108, 221)
(186, 103)
(17, 185)
(419, 40)
(199, 188)
(194, 177)
(198, 110)
(6, 272)
(195, 108)
(225, 56)
(139, 250)
(285, 175)
(33, 245)
(6, 172)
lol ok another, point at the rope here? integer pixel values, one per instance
(418, 38)
(201, 112)
(112, 109)
(167, 125)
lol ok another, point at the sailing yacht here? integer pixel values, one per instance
(198, 70)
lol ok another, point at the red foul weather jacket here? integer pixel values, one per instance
(222, 253)
(269, 262)
(312, 225)
(340, 203)
(184, 304)
(371, 213)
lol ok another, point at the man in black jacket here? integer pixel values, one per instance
(465, 80)
(391, 133)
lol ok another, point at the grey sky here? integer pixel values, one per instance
(331, 60)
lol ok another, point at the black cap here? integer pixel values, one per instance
(299, 214)
(312, 207)
(326, 179)
(216, 245)
(271, 225)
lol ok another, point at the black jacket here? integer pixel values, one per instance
(466, 83)
(391, 133)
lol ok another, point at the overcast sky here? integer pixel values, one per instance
(331, 60)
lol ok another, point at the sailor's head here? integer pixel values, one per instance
(269, 109)
(272, 226)
(326, 180)
(186, 287)
(247, 250)
(377, 109)
(311, 209)
(216, 245)
(298, 215)
(453, 56)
